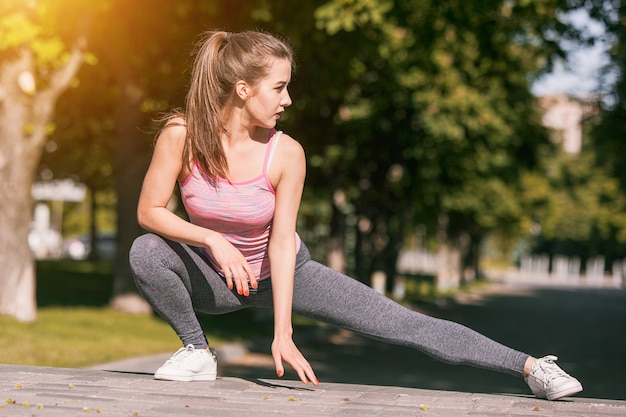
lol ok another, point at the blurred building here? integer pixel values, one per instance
(564, 116)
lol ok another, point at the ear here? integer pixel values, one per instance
(242, 89)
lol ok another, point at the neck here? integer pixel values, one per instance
(241, 131)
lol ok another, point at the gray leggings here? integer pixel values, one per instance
(177, 282)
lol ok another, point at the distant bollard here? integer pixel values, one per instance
(379, 281)
(399, 288)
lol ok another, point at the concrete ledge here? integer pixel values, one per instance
(60, 392)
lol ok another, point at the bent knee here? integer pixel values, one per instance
(144, 249)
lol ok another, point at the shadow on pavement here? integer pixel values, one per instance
(584, 327)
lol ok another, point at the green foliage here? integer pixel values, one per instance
(16, 28)
(44, 27)
(446, 86)
(347, 15)
(610, 132)
(410, 107)
(492, 204)
(571, 199)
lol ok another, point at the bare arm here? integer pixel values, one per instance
(165, 169)
(282, 252)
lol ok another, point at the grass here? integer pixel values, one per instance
(76, 328)
(82, 336)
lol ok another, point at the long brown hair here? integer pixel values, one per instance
(221, 60)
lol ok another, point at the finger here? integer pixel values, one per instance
(251, 277)
(245, 289)
(234, 281)
(306, 374)
(229, 280)
(241, 280)
(303, 376)
(311, 375)
(239, 286)
(253, 282)
(278, 363)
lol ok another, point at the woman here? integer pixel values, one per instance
(241, 182)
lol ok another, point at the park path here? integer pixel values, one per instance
(362, 377)
(585, 327)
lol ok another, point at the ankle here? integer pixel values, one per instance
(528, 366)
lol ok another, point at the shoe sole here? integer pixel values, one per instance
(191, 378)
(565, 393)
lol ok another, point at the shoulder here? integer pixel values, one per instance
(169, 149)
(174, 133)
(288, 147)
(290, 162)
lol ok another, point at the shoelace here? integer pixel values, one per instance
(551, 370)
(181, 354)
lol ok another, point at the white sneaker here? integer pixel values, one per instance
(189, 364)
(547, 380)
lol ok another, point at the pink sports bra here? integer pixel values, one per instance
(242, 212)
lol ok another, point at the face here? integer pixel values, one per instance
(269, 98)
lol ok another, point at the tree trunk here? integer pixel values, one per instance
(448, 258)
(25, 113)
(17, 297)
(94, 254)
(336, 242)
(132, 157)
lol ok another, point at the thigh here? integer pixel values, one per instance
(208, 290)
(329, 296)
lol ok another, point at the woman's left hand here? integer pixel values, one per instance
(285, 349)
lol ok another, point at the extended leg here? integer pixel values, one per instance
(326, 295)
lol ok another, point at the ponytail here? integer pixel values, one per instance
(221, 60)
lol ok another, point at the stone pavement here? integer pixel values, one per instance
(59, 392)
(362, 377)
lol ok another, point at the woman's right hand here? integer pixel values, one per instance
(284, 349)
(233, 264)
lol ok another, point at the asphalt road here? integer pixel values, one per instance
(585, 327)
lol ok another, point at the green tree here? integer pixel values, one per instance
(439, 95)
(82, 147)
(39, 58)
(609, 133)
(575, 207)
(606, 179)
(141, 70)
